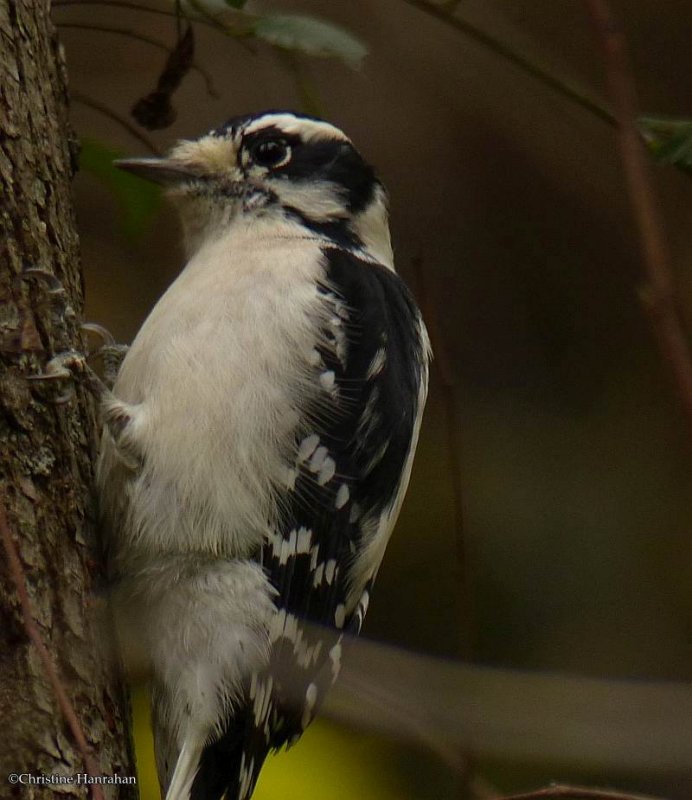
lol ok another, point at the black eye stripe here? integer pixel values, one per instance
(328, 159)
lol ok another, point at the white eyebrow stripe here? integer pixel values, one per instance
(307, 129)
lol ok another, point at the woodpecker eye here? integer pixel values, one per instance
(271, 153)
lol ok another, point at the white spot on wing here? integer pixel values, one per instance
(335, 658)
(288, 547)
(307, 447)
(317, 459)
(329, 570)
(310, 700)
(291, 477)
(327, 471)
(337, 331)
(377, 363)
(342, 496)
(377, 456)
(370, 417)
(340, 308)
(318, 575)
(304, 541)
(315, 359)
(327, 380)
(286, 625)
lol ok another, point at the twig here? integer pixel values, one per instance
(128, 5)
(574, 793)
(108, 112)
(522, 63)
(658, 294)
(240, 34)
(307, 91)
(32, 631)
(211, 90)
(447, 379)
(204, 14)
(203, 17)
(445, 372)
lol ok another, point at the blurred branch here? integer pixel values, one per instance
(211, 90)
(562, 792)
(594, 724)
(504, 51)
(18, 576)
(591, 723)
(658, 293)
(122, 121)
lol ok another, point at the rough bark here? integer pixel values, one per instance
(46, 450)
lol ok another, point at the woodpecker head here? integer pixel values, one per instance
(284, 167)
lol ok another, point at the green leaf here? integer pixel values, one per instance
(311, 36)
(137, 199)
(669, 140)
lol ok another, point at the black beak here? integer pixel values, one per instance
(166, 171)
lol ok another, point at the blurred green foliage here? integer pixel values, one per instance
(311, 36)
(299, 33)
(137, 199)
(669, 140)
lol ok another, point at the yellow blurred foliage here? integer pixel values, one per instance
(350, 764)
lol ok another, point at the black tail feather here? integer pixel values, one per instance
(222, 767)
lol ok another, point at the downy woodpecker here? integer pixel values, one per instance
(258, 441)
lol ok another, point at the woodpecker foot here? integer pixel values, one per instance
(109, 352)
(54, 292)
(118, 417)
(71, 366)
(54, 288)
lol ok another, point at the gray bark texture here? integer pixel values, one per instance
(46, 449)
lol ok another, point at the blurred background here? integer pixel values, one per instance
(509, 214)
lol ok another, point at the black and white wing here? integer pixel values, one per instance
(352, 463)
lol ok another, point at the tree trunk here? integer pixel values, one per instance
(46, 449)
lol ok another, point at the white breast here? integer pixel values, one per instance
(219, 374)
